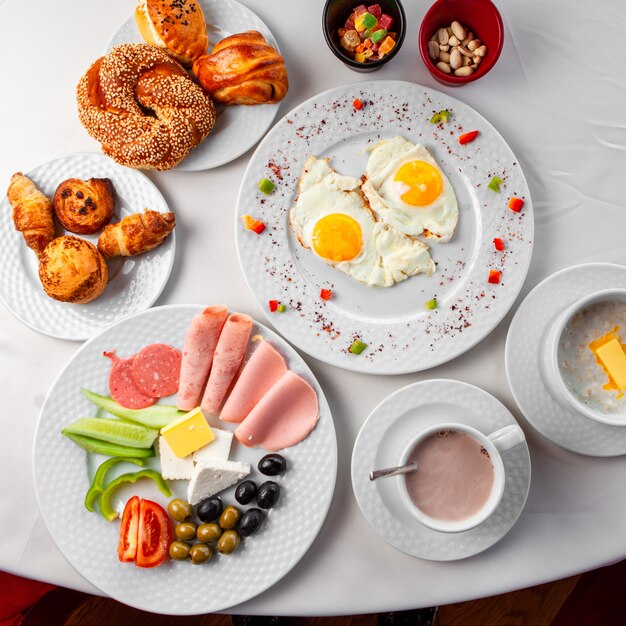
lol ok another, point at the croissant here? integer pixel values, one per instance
(32, 212)
(136, 233)
(243, 69)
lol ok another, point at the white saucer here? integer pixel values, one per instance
(565, 427)
(381, 441)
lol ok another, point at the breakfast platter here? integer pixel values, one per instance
(402, 333)
(134, 283)
(63, 473)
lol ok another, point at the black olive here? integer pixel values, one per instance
(250, 522)
(272, 464)
(209, 509)
(245, 492)
(268, 494)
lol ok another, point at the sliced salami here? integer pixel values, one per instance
(122, 386)
(156, 370)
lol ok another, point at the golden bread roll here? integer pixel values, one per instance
(178, 27)
(72, 270)
(32, 212)
(84, 206)
(136, 233)
(243, 69)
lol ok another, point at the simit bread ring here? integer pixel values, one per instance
(115, 93)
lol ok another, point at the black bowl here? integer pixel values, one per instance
(335, 14)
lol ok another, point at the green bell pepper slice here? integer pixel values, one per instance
(97, 485)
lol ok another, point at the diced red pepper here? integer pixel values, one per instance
(326, 294)
(516, 204)
(494, 276)
(358, 104)
(385, 21)
(468, 137)
(499, 244)
(251, 224)
(375, 10)
(273, 306)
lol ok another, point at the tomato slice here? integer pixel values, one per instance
(154, 534)
(129, 530)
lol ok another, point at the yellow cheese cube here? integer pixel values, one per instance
(612, 356)
(188, 433)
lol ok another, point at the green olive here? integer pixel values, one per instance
(185, 531)
(208, 532)
(228, 542)
(179, 550)
(230, 517)
(200, 553)
(179, 509)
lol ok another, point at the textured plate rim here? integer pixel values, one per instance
(362, 366)
(304, 547)
(166, 274)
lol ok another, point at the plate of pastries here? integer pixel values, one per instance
(85, 243)
(191, 85)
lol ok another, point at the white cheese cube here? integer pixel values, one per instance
(216, 450)
(173, 467)
(210, 478)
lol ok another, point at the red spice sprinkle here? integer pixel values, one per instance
(494, 277)
(516, 204)
(468, 137)
(499, 244)
(357, 104)
(326, 294)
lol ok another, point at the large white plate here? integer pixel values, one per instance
(525, 373)
(382, 440)
(62, 472)
(402, 336)
(134, 282)
(237, 128)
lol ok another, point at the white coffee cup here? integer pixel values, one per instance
(495, 443)
(553, 375)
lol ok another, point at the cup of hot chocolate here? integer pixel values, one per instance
(460, 475)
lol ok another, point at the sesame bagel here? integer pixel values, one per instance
(143, 107)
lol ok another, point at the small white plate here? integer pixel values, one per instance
(401, 334)
(381, 441)
(62, 472)
(237, 128)
(134, 282)
(537, 313)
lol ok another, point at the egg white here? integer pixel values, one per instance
(386, 257)
(437, 220)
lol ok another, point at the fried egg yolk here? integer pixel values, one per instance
(337, 237)
(423, 180)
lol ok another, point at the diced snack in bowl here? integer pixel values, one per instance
(366, 34)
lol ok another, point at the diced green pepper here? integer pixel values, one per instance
(431, 305)
(442, 116)
(97, 485)
(379, 35)
(108, 449)
(106, 508)
(357, 347)
(494, 184)
(156, 416)
(266, 185)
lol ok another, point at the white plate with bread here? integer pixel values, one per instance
(238, 127)
(85, 242)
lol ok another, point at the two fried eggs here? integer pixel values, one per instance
(368, 228)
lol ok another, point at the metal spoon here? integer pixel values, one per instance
(393, 471)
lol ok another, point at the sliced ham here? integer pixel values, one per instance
(286, 414)
(229, 354)
(122, 386)
(198, 351)
(262, 370)
(156, 370)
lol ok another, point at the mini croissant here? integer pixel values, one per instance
(243, 69)
(32, 212)
(136, 233)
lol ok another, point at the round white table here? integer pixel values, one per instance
(557, 95)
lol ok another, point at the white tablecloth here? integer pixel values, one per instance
(557, 95)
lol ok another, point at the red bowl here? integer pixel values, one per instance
(481, 17)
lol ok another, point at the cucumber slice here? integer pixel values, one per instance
(156, 416)
(98, 446)
(113, 431)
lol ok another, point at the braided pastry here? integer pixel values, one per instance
(115, 93)
(243, 69)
